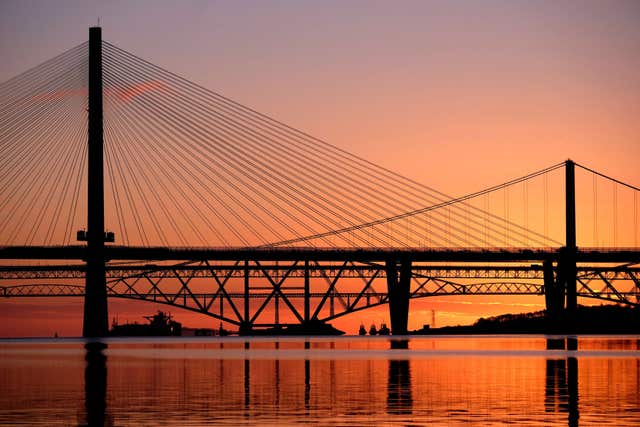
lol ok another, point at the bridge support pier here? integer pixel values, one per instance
(246, 327)
(567, 277)
(553, 296)
(96, 315)
(398, 287)
(553, 290)
(566, 282)
(307, 293)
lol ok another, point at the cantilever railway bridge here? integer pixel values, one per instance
(282, 220)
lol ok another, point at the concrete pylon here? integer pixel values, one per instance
(398, 287)
(96, 315)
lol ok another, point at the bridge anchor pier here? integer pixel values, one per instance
(553, 295)
(398, 286)
(567, 277)
(245, 328)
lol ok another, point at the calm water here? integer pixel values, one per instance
(486, 380)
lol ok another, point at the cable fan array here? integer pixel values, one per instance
(43, 139)
(185, 166)
(189, 165)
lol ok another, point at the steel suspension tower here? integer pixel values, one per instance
(96, 318)
(570, 238)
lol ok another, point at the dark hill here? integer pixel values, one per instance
(602, 319)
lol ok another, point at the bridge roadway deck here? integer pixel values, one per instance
(78, 252)
(317, 270)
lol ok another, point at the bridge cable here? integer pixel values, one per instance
(263, 165)
(149, 186)
(53, 172)
(125, 161)
(75, 151)
(32, 151)
(76, 195)
(171, 164)
(263, 152)
(447, 203)
(118, 172)
(17, 82)
(42, 167)
(110, 169)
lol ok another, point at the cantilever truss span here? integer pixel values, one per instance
(255, 293)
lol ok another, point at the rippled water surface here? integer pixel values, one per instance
(479, 380)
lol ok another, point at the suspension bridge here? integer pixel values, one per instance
(199, 202)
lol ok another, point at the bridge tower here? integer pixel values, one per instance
(563, 287)
(568, 259)
(96, 317)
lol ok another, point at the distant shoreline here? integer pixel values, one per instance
(595, 320)
(587, 320)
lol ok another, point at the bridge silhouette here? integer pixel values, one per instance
(281, 220)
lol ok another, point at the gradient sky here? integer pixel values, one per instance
(459, 95)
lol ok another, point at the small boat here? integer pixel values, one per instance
(373, 330)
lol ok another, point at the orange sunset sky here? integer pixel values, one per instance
(458, 95)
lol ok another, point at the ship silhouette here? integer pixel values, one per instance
(160, 324)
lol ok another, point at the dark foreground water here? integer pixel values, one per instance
(445, 380)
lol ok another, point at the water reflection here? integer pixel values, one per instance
(247, 381)
(276, 374)
(399, 400)
(349, 381)
(574, 413)
(247, 378)
(307, 378)
(561, 385)
(95, 385)
(399, 344)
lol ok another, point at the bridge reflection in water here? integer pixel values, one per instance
(350, 380)
(95, 385)
(561, 386)
(399, 400)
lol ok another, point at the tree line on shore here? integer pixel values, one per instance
(601, 319)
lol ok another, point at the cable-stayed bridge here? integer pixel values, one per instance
(197, 201)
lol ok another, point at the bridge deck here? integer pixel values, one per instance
(77, 252)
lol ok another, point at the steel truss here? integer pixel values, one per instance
(243, 292)
(197, 269)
